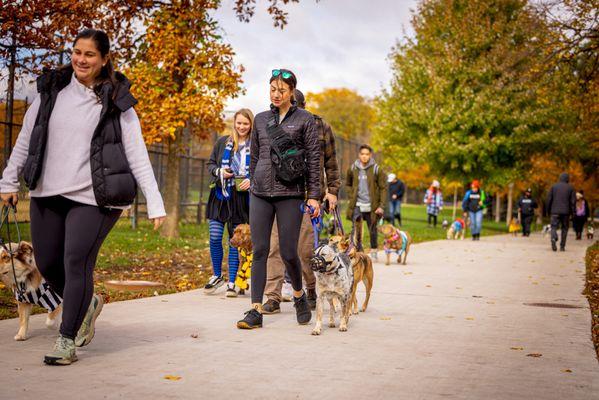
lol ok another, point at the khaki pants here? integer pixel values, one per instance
(275, 270)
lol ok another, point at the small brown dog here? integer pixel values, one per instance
(362, 268)
(31, 289)
(396, 241)
(242, 239)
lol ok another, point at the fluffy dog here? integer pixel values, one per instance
(457, 230)
(334, 280)
(242, 239)
(590, 231)
(361, 268)
(396, 241)
(28, 285)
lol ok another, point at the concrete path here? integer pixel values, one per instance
(455, 323)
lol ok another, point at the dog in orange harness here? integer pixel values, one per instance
(396, 241)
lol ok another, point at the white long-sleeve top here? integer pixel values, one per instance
(66, 167)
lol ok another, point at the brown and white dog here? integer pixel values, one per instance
(334, 279)
(242, 239)
(31, 289)
(361, 267)
(396, 241)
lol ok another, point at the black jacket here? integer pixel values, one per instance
(216, 158)
(562, 197)
(527, 205)
(112, 180)
(398, 188)
(300, 125)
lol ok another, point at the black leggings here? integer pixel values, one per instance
(289, 220)
(66, 238)
(432, 218)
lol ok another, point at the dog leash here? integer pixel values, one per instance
(316, 221)
(337, 221)
(5, 219)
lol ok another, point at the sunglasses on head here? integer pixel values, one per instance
(282, 72)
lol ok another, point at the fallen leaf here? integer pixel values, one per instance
(385, 318)
(535, 283)
(459, 288)
(172, 377)
(567, 370)
(534, 355)
(556, 284)
(477, 297)
(407, 273)
(564, 315)
(470, 318)
(490, 302)
(449, 316)
(194, 335)
(517, 348)
(428, 286)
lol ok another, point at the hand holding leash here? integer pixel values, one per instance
(313, 208)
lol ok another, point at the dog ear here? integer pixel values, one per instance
(25, 248)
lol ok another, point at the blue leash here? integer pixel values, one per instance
(316, 222)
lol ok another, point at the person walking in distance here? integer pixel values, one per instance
(526, 211)
(329, 182)
(561, 203)
(396, 191)
(433, 198)
(581, 214)
(366, 186)
(473, 205)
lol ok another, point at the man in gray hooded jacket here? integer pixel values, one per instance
(561, 203)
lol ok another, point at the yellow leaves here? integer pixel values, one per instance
(172, 377)
(536, 355)
(385, 318)
(518, 348)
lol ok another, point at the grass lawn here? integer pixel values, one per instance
(184, 263)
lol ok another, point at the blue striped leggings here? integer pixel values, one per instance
(217, 229)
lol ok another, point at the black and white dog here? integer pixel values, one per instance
(334, 279)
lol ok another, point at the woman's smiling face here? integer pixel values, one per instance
(242, 126)
(87, 61)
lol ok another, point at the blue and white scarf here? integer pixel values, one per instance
(236, 165)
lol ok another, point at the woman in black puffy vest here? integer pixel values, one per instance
(82, 156)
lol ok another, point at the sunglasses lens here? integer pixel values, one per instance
(276, 72)
(286, 75)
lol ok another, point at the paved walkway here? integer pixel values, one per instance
(452, 324)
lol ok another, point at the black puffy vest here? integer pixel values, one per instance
(112, 180)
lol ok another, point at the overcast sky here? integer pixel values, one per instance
(330, 43)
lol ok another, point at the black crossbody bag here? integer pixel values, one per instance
(288, 160)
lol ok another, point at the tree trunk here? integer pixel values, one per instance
(405, 196)
(170, 229)
(498, 207)
(510, 204)
(540, 212)
(455, 203)
(10, 94)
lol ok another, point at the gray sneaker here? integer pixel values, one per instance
(87, 329)
(63, 353)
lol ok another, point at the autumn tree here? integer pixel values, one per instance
(464, 98)
(350, 115)
(182, 76)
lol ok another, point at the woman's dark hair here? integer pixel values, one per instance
(291, 81)
(102, 43)
(365, 146)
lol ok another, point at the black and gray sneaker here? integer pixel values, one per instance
(312, 299)
(213, 283)
(302, 309)
(271, 307)
(252, 320)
